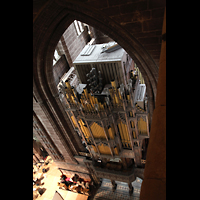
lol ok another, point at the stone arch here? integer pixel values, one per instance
(48, 27)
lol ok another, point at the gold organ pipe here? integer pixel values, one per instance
(113, 100)
(82, 95)
(127, 135)
(104, 149)
(67, 93)
(111, 94)
(134, 135)
(93, 129)
(111, 133)
(88, 133)
(87, 106)
(96, 133)
(94, 148)
(142, 126)
(132, 73)
(96, 101)
(67, 96)
(116, 151)
(120, 130)
(85, 92)
(116, 95)
(90, 107)
(99, 106)
(116, 99)
(72, 98)
(126, 129)
(98, 130)
(92, 100)
(102, 107)
(102, 132)
(82, 103)
(102, 135)
(68, 85)
(113, 83)
(83, 129)
(100, 150)
(73, 120)
(123, 131)
(73, 92)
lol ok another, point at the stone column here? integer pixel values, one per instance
(154, 182)
(93, 175)
(124, 163)
(130, 188)
(114, 185)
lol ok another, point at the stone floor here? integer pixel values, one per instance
(50, 180)
(49, 184)
(52, 177)
(121, 192)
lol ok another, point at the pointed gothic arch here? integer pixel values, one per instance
(51, 23)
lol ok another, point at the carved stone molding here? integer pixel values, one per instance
(99, 142)
(127, 153)
(144, 117)
(115, 175)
